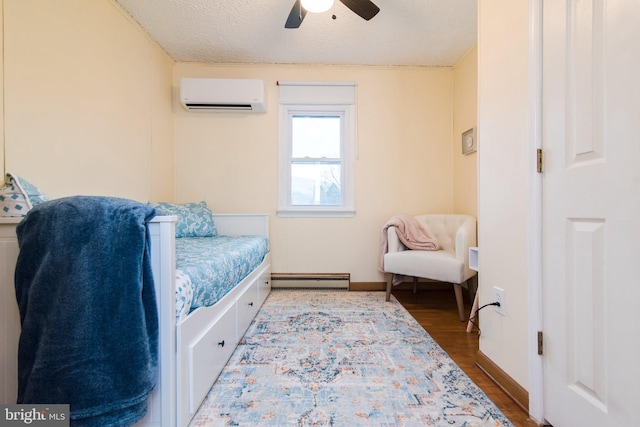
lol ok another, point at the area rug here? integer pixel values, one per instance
(316, 358)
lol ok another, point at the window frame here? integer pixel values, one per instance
(346, 112)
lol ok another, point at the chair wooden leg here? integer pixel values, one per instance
(457, 288)
(474, 311)
(415, 285)
(389, 284)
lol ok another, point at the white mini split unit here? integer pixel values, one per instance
(241, 95)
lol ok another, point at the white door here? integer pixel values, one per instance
(591, 212)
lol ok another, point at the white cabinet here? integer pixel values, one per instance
(473, 258)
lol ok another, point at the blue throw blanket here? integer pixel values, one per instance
(88, 309)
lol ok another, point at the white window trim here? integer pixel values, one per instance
(296, 106)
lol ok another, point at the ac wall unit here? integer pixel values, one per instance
(244, 95)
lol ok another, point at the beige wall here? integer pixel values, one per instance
(404, 161)
(503, 180)
(465, 117)
(88, 111)
(90, 108)
(87, 101)
(2, 92)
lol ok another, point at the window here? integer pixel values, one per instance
(317, 138)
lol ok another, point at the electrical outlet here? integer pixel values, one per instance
(498, 296)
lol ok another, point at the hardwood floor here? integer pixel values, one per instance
(435, 310)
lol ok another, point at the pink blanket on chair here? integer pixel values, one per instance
(410, 233)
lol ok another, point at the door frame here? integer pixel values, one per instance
(534, 216)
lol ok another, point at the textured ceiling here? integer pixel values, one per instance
(404, 32)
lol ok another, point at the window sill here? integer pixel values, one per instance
(316, 213)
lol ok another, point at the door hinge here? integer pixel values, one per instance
(540, 344)
(540, 161)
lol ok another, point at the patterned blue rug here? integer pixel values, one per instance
(315, 358)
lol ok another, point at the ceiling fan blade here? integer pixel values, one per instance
(364, 8)
(296, 15)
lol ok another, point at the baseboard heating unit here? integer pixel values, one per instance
(318, 281)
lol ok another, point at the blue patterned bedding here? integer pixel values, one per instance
(213, 265)
(184, 294)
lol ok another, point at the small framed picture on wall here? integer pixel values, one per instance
(469, 143)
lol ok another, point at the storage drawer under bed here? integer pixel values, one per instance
(209, 354)
(247, 308)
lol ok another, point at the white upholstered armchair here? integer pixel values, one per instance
(454, 234)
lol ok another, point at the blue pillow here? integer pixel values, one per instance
(18, 196)
(194, 219)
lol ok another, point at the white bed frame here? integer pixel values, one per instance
(191, 353)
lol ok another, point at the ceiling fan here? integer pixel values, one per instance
(363, 8)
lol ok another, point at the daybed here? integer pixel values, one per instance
(193, 349)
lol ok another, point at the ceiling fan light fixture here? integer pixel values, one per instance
(317, 6)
